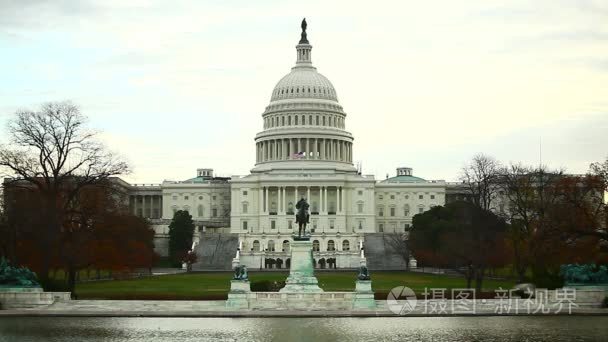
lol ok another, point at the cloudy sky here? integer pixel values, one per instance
(177, 85)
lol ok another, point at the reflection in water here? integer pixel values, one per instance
(305, 329)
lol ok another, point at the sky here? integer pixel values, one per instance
(173, 86)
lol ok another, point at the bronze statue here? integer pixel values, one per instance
(363, 273)
(240, 273)
(304, 39)
(302, 217)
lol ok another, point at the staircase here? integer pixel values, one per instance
(215, 251)
(380, 254)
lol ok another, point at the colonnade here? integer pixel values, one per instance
(312, 148)
(327, 197)
(148, 206)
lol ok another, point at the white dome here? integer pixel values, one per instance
(304, 82)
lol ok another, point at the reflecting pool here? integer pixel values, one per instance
(305, 329)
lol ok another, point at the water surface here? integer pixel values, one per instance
(555, 329)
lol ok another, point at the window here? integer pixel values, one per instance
(273, 224)
(174, 197)
(360, 208)
(360, 224)
(245, 208)
(380, 211)
(290, 224)
(360, 192)
(244, 192)
(331, 224)
(392, 211)
(407, 196)
(380, 228)
(200, 197)
(392, 196)
(420, 210)
(213, 198)
(331, 246)
(345, 245)
(186, 197)
(244, 225)
(420, 196)
(315, 245)
(380, 197)
(432, 196)
(406, 226)
(271, 246)
(285, 245)
(214, 212)
(406, 210)
(256, 246)
(200, 211)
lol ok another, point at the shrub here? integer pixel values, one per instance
(267, 286)
(53, 285)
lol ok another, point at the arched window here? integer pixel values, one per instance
(256, 246)
(315, 245)
(296, 120)
(406, 210)
(200, 210)
(331, 246)
(285, 245)
(271, 245)
(345, 245)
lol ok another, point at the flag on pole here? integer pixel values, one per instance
(298, 155)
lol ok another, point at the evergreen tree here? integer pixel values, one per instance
(180, 236)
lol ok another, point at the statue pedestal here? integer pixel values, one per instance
(301, 274)
(364, 296)
(238, 295)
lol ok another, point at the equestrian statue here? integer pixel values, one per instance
(302, 217)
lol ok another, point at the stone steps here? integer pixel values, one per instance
(215, 251)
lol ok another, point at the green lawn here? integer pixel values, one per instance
(216, 285)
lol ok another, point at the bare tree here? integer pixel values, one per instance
(531, 193)
(398, 243)
(52, 151)
(480, 178)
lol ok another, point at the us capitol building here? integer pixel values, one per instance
(303, 151)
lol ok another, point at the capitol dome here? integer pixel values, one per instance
(304, 82)
(304, 125)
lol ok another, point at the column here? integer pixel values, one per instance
(338, 191)
(314, 149)
(143, 206)
(295, 197)
(266, 199)
(284, 149)
(322, 154)
(342, 201)
(320, 199)
(308, 195)
(326, 199)
(284, 200)
(260, 200)
(307, 148)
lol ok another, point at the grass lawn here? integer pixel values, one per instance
(215, 285)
